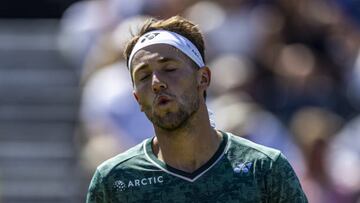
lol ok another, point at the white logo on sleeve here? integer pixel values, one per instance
(121, 185)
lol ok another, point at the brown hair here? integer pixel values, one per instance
(176, 24)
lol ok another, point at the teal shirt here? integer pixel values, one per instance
(239, 171)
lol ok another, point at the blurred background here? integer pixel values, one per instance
(286, 74)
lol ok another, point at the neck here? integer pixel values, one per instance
(189, 147)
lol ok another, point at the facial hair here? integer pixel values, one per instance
(188, 105)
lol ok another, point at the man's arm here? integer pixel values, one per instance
(284, 185)
(96, 192)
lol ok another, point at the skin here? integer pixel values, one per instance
(169, 88)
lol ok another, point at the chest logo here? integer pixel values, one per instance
(243, 167)
(120, 185)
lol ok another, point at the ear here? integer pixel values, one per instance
(137, 99)
(204, 77)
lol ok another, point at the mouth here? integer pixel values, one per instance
(162, 100)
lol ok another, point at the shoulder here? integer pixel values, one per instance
(251, 149)
(121, 160)
(268, 165)
(262, 159)
(242, 151)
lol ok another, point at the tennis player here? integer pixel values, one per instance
(188, 159)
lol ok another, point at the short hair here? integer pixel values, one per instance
(175, 24)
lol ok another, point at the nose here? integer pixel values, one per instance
(157, 84)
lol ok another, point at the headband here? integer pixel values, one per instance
(170, 38)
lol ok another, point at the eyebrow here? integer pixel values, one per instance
(143, 65)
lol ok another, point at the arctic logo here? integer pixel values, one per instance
(121, 186)
(243, 167)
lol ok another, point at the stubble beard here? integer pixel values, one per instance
(172, 121)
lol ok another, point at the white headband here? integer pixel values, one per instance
(170, 38)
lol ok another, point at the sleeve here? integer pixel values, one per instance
(284, 184)
(96, 192)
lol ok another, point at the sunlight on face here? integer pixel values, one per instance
(161, 70)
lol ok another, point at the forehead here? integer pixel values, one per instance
(157, 52)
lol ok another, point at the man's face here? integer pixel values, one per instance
(165, 85)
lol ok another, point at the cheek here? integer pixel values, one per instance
(189, 83)
(189, 91)
(144, 97)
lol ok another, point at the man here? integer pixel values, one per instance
(187, 160)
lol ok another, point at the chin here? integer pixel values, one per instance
(171, 121)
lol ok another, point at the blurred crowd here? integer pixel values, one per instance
(285, 73)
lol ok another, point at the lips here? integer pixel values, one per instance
(162, 100)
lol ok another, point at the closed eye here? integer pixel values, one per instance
(144, 77)
(170, 69)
